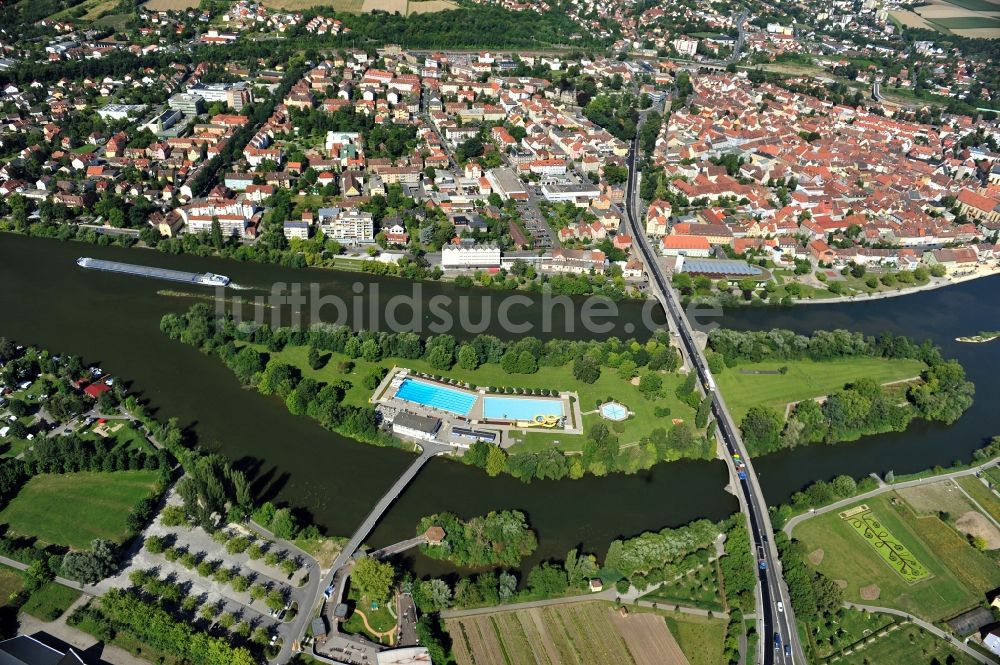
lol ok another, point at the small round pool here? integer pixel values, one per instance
(613, 411)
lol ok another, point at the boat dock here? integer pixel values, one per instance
(200, 279)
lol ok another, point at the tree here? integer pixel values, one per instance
(373, 579)
(315, 358)
(761, 427)
(467, 357)
(496, 460)
(650, 384)
(586, 370)
(92, 566)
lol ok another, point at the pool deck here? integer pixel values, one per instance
(384, 395)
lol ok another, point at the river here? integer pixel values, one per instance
(113, 320)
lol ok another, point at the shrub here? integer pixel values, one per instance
(156, 545)
(173, 516)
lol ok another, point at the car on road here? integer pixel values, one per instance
(777, 641)
(788, 650)
(781, 606)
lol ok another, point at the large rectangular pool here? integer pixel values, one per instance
(436, 396)
(520, 408)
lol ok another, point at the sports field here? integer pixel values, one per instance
(72, 509)
(958, 577)
(589, 633)
(743, 387)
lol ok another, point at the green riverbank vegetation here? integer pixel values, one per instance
(779, 365)
(496, 539)
(329, 373)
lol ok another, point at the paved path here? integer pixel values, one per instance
(978, 656)
(843, 503)
(396, 548)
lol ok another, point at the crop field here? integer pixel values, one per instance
(892, 551)
(72, 509)
(700, 638)
(804, 379)
(958, 574)
(580, 633)
(968, 18)
(429, 6)
(166, 5)
(346, 6)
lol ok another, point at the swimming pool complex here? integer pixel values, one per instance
(436, 396)
(520, 408)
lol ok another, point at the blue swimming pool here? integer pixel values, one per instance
(436, 396)
(520, 408)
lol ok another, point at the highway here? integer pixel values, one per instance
(774, 611)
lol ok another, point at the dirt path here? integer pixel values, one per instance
(368, 627)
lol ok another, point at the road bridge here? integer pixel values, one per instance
(774, 610)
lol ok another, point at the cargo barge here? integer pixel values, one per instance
(202, 279)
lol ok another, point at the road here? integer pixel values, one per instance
(979, 657)
(876, 94)
(774, 611)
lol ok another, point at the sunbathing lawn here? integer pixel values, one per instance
(50, 601)
(805, 379)
(960, 575)
(72, 509)
(10, 583)
(609, 385)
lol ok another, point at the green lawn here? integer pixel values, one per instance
(909, 645)
(381, 619)
(609, 385)
(959, 574)
(74, 508)
(848, 627)
(700, 638)
(805, 379)
(10, 583)
(50, 601)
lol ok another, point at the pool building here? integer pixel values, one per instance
(467, 414)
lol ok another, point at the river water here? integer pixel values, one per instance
(110, 319)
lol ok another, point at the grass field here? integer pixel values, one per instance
(976, 5)
(907, 646)
(959, 574)
(966, 22)
(50, 601)
(700, 638)
(347, 6)
(983, 496)
(847, 628)
(10, 583)
(578, 634)
(805, 379)
(609, 385)
(74, 508)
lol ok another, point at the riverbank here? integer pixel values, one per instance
(934, 284)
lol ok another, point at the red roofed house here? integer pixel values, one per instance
(677, 245)
(95, 390)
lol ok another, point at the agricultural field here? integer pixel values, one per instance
(166, 5)
(967, 18)
(909, 645)
(761, 384)
(580, 633)
(347, 6)
(72, 509)
(887, 545)
(958, 574)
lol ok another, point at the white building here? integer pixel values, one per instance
(410, 425)
(685, 46)
(476, 256)
(350, 225)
